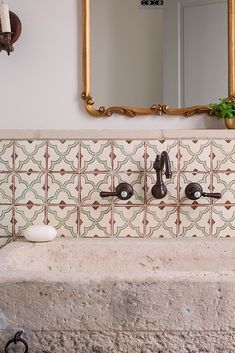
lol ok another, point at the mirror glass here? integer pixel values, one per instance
(145, 53)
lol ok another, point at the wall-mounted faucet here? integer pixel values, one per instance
(162, 162)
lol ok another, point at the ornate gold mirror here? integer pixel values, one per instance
(173, 59)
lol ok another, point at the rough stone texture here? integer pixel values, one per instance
(122, 307)
(128, 342)
(119, 306)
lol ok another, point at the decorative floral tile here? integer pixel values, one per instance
(172, 190)
(223, 155)
(129, 221)
(30, 155)
(6, 221)
(137, 181)
(63, 155)
(30, 188)
(6, 188)
(225, 184)
(6, 155)
(195, 221)
(63, 188)
(156, 147)
(96, 156)
(95, 222)
(195, 155)
(161, 222)
(129, 155)
(55, 198)
(223, 221)
(204, 179)
(64, 219)
(25, 216)
(92, 185)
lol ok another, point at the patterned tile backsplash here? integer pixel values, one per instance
(58, 182)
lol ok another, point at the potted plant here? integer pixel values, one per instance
(225, 109)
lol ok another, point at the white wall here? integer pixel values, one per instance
(41, 81)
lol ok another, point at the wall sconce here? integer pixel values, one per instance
(10, 28)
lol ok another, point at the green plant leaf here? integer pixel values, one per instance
(225, 109)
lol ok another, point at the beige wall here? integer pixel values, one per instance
(41, 82)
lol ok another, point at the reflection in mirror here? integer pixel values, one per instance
(126, 53)
(143, 55)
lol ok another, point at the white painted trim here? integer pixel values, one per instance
(182, 4)
(192, 3)
(181, 54)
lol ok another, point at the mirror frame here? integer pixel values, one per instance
(155, 109)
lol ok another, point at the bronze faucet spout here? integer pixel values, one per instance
(165, 160)
(159, 190)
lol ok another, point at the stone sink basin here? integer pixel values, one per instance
(116, 295)
(99, 259)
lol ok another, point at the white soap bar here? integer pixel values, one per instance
(40, 233)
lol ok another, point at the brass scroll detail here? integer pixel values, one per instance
(131, 112)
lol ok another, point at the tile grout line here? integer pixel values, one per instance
(112, 209)
(46, 211)
(214, 171)
(166, 205)
(178, 192)
(145, 189)
(211, 189)
(13, 193)
(79, 190)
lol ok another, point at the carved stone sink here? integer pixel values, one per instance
(119, 295)
(73, 259)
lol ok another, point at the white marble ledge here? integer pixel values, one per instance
(121, 259)
(117, 134)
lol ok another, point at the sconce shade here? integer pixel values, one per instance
(16, 27)
(8, 38)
